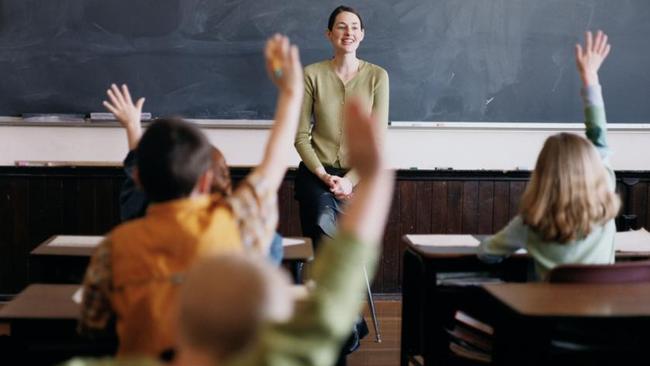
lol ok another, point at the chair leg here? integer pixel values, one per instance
(373, 312)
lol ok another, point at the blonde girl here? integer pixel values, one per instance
(567, 211)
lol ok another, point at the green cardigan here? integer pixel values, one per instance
(325, 95)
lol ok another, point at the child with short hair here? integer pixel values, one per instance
(134, 201)
(567, 211)
(134, 274)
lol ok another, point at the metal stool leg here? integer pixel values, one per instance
(373, 312)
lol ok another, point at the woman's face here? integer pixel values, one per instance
(346, 33)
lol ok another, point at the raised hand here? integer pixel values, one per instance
(126, 112)
(283, 64)
(591, 57)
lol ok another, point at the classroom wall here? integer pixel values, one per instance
(464, 147)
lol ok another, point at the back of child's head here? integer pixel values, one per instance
(569, 190)
(226, 299)
(221, 182)
(172, 156)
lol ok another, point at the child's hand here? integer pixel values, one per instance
(593, 55)
(283, 65)
(127, 113)
(364, 139)
(121, 105)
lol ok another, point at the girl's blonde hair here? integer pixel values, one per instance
(568, 191)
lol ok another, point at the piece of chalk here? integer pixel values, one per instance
(277, 68)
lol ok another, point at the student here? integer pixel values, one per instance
(234, 308)
(567, 211)
(134, 202)
(134, 274)
(324, 181)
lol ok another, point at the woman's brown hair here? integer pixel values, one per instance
(569, 190)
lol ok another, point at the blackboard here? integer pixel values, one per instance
(448, 60)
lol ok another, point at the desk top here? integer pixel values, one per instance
(574, 300)
(295, 248)
(39, 301)
(632, 244)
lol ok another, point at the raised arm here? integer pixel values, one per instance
(133, 202)
(254, 202)
(588, 60)
(126, 112)
(289, 82)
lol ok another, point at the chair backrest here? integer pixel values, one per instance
(625, 272)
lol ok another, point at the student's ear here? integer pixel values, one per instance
(136, 178)
(204, 184)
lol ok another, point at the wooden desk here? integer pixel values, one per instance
(573, 300)
(63, 259)
(428, 303)
(617, 316)
(43, 321)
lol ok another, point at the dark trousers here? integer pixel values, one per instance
(318, 206)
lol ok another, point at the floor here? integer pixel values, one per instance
(387, 352)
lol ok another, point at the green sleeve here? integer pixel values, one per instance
(322, 322)
(596, 126)
(302, 141)
(504, 243)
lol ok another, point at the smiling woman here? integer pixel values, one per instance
(324, 181)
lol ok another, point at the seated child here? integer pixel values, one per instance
(135, 273)
(567, 211)
(134, 202)
(236, 310)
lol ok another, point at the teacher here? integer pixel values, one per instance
(324, 182)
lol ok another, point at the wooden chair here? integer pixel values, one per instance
(625, 272)
(581, 341)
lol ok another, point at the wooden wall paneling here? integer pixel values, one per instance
(639, 203)
(470, 207)
(71, 211)
(104, 206)
(423, 207)
(646, 224)
(285, 198)
(295, 228)
(501, 210)
(454, 207)
(117, 188)
(516, 190)
(86, 206)
(404, 202)
(439, 207)
(390, 252)
(20, 187)
(485, 207)
(6, 233)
